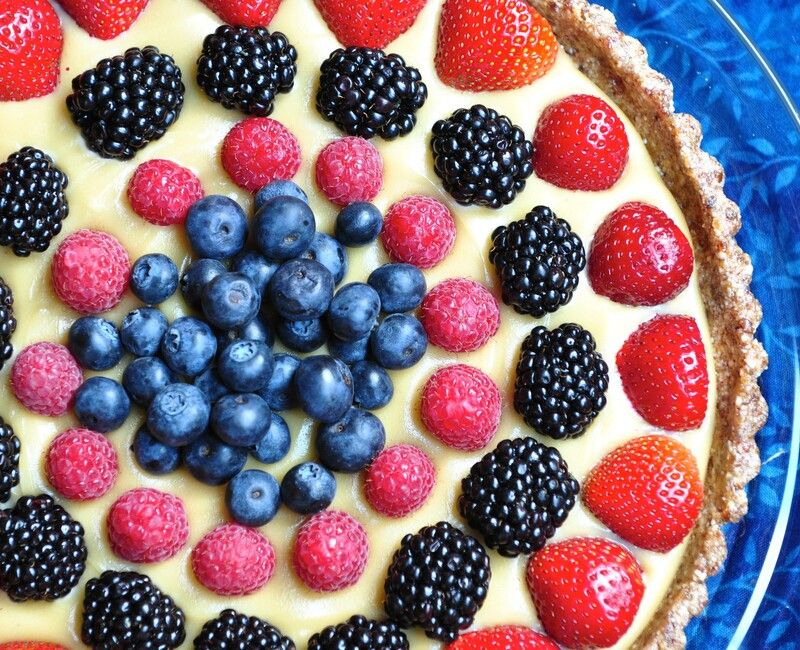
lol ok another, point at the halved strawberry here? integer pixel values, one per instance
(369, 23)
(247, 13)
(648, 491)
(664, 372)
(493, 44)
(104, 19)
(503, 637)
(30, 49)
(586, 590)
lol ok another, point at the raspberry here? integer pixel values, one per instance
(399, 480)
(233, 560)
(81, 464)
(161, 192)
(461, 407)
(460, 315)
(30, 645)
(90, 271)
(259, 150)
(45, 377)
(145, 525)
(418, 230)
(348, 170)
(330, 552)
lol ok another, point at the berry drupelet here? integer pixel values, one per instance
(8, 324)
(367, 92)
(481, 157)
(438, 580)
(125, 102)
(360, 632)
(245, 68)
(9, 460)
(561, 381)
(42, 550)
(32, 201)
(124, 609)
(537, 260)
(518, 495)
(234, 631)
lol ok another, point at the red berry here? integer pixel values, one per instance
(233, 560)
(461, 406)
(580, 144)
(248, 13)
(81, 464)
(503, 637)
(418, 230)
(105, 19)
(399, 480)
(639, 256)
(45, 377)
(369, 23)
(460, 315)
(586, 590)
(664, 372)
(90, 271)
(145, 525)
(348, 170)
(259, 150)
(161, 192)
(31, 645)
(330, 552)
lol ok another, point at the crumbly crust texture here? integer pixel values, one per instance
(618, 64)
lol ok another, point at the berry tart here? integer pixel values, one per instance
(360, 325)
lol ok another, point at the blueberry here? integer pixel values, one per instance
(245, 366)
(95, 343)
(398, 342)
(101, 404)
(353, 311)
(279, 392)
(178, 414)
(154, 278)
(276, 189)
(189, 346)
(401, 287)
(144, 377)
(230, 300)
(301, 335)
(256, 267)
(358, 224)
(212, 461)
(276, 442)
(153, 455)
(348, 351)
(240, 420)
(324, 388)
(372, 386)
(283, 228)
(142, 331)
(330, 253)
(211, 385)
(216, 227)
(256, 330)
(308, 488)
(197, 276)
(352, 443)
(253, 497)
(301, 289)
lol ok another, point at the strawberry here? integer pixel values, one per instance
(664, 372)
(247, 13)
(586, 590)
(493, 45)
(648, 491)
(639, 256)
(369, 23)
(503, 637)
(30, 645)
(104, 19)
(31, 41)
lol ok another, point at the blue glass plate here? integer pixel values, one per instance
(751, 125)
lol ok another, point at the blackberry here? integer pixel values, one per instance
(561, 381)
(42, 550)
(481, 157)
(124, 609)
(234, 631)
(127, 101)
(8, 324)
(360, 633)
(32, 201)
(367, 92)
(438, 580)
(537, 260)
(9, 460)
(518, 495)
(245, 68)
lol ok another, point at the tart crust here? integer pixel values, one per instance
(618, 64)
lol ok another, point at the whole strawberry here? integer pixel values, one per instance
(105, 19)
(503, 637)
(247, 13)
(369, 23)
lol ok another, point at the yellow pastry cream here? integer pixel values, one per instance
(97, 196)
